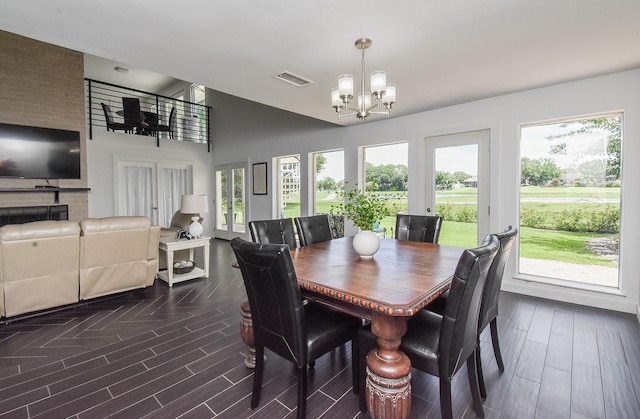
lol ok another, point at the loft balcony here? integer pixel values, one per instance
(130, 111)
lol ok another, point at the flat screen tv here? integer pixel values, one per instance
(39, 153)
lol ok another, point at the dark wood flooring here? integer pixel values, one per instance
(176, 352)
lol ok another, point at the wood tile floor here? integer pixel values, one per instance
(176, 352)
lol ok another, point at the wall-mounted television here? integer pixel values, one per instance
(39, 153)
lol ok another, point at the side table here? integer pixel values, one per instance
(170, 245)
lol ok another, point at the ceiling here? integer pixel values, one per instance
(438, 53)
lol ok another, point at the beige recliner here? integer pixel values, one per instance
(39, 266)
(117, 254)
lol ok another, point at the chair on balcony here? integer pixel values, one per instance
(156, 127)
(111, 124)
(133, 115)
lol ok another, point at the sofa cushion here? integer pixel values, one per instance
(39, 265)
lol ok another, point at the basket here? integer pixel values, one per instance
(184, 269)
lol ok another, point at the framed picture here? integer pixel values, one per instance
(260, 178)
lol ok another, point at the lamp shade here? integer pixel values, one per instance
(194, 204)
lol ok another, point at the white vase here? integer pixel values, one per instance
(366, 244)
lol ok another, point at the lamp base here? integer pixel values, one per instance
(195, 229)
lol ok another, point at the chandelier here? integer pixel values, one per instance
(384, 94)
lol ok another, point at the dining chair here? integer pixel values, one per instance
(418, 228)
(489, 306)
(157, 127)
(279, 231)
(282, 323)
(132, 114)
(313, 229)
(111, 124)
(440, 344)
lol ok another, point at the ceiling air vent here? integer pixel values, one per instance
(291, 78)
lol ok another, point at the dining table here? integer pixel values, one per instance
(400, 280)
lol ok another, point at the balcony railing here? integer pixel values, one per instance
(191, 121)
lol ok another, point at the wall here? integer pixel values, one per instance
(245, 131)
(42, 85)
(107, 147)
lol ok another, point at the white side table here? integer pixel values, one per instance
(170, 245)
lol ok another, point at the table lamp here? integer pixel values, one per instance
(194, 204)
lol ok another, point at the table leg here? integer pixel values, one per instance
(206, 258)
(388, 384)
(246, 331)
(170, 266)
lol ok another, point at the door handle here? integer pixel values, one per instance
(428, 209)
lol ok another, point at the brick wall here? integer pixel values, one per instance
(43, 85)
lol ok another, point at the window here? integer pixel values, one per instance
(385, 167)
(328, 177)
(570, 200)
(288, 185)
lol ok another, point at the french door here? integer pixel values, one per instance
(230, 202)
(152, 189)
(457, 185)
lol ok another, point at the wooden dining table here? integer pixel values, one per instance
(401, 279)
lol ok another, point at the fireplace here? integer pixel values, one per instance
(21, 215)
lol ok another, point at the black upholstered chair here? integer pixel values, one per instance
(274, 232)
(440, 345)
(132, 114)
(313, 229)
(489, 307)
(418, 228)
(109, 120)
(282, 323)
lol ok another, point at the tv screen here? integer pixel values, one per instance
(39, 153)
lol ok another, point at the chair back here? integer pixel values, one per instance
(172, 122)
(459, 331)
(489, 307)
(313, 229)
(274, 232)
(132, 114)
(277, 310)
(108, 116)
(418, 228)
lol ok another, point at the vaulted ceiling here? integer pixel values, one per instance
(438, 53)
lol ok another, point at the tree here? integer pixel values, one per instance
(388, 177)
(460, 176)
(444, 180)
(327, 184)
(321, 162)
(538, 172)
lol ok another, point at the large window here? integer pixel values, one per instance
(570, 200)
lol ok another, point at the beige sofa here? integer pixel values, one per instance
(46, 264)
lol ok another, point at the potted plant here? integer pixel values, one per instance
(364, 209)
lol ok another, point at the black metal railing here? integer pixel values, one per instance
(160, 116)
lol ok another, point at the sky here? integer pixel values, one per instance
(449, 159)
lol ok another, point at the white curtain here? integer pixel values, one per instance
(138, 194)
(175, 182)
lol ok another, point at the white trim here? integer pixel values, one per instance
(572, 295)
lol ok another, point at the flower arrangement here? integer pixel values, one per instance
(364, 209)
